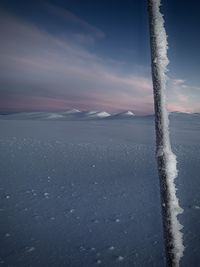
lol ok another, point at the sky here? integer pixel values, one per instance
(94, 55)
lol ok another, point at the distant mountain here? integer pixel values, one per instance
(184, 114)
(75, 114)
(122, 115)
(99, 114)
(176, 114)
(89, 113)
(53, 116)
(71, 111)
(127, 114)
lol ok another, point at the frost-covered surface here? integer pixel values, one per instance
(165, 155)
(87, 193)
(79, 193)
(186, 143)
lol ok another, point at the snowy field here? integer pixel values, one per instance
(81, 193)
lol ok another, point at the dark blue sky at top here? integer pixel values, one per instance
(123, 22)
(124, 25)
(183, 27)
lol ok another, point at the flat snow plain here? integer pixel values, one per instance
(86, 193)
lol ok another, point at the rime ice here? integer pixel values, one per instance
(166, 159)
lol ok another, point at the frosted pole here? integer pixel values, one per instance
(166, 160)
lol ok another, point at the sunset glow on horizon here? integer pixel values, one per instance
(57, 57)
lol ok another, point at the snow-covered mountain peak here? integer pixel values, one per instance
(128, 113)
(101, 114)
(72, 111)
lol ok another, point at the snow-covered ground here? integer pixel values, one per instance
(185, 129)
(85, 193)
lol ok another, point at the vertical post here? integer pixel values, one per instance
(166, 160)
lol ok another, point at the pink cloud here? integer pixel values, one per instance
(41, 71)
(182, 97)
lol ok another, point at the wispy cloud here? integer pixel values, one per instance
(41, 70)
(183, 97)
(37, 64)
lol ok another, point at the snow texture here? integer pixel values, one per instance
(83, 191)
(79, 193)
(160, 61)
